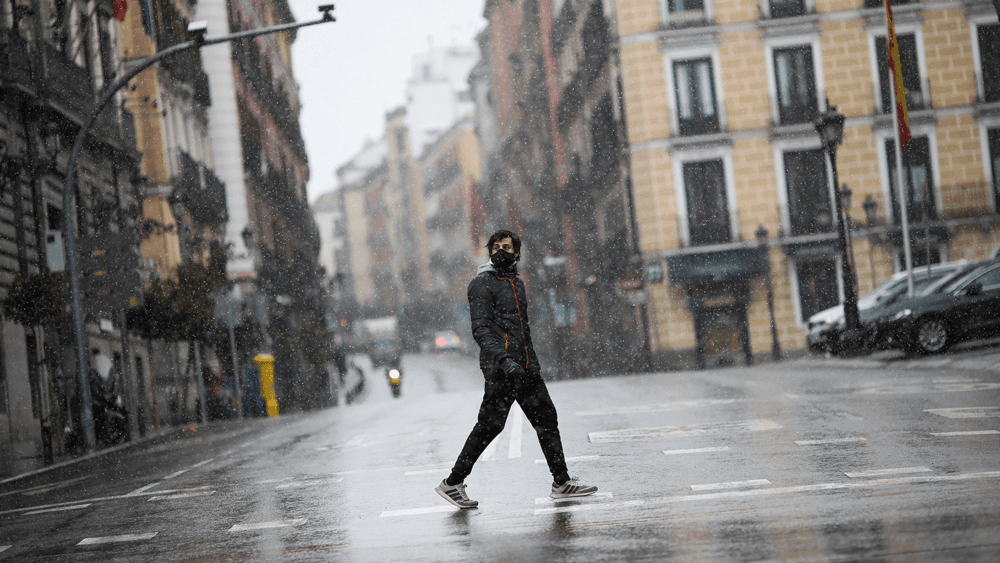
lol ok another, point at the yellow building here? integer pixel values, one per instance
(720, 98)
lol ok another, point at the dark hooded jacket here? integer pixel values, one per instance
(499, 310)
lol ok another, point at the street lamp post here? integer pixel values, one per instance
(830, 126)
(871, 208)
(197, 30)
(775, 345)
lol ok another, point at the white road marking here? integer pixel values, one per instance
(309, 483)
(490, 453)
(880, 472)
(632, 434)
(875, 483)
(4, 548)
(416, 511)
(731, 485)
(516, 431)
(966, 433)
(792, 396)
(847, 440)
(930, 388)
(967, 412)
(676, 405)
(117, 539)
(39, 489)
(697, 450)
(141, 490)
(577, 458)
(99, 499)
(177, 473)
(200, 463)
(422, 472)
(268, 525)
(59, 509)
(181, 495)
(550, 500)
(849, 416)
(592, 506)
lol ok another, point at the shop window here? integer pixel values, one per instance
(795, 84)
(707, 207)
(809, 208)
(817, 284)
(915, 98)
(695, 90)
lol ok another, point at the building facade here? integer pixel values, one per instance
(732, 188)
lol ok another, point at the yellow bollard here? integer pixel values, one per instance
(265, 363)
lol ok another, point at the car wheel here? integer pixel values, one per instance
(932, 335)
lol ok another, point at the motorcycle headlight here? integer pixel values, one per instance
(394, 374)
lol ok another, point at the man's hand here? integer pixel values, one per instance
(511, 368)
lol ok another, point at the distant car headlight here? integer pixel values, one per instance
(901, 315)
(394, 375)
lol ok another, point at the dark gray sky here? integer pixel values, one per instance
(351, 72)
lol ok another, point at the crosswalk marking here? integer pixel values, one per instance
(697, 450)
(731, 485)
(967, 412)
(423, 472)
(880, 472)
(309, 483)
(117, 539)
(268, 525)
(141, 490)
(847, 440)
(633, 434)
(415, 511)
(676, 405)
(57, 509)
(517, 420)
(181, 495)
(591, 506)
(571, 459)
(967, 433)
(550, 500)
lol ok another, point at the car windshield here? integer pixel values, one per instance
(893, 288)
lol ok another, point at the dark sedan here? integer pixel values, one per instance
(967, 309)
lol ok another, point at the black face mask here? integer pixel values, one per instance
(502, 259)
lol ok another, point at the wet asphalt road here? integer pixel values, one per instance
(808, 460)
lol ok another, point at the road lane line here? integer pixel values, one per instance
(4, 548)
(879, 472)
(117, 539)
(550, 500)
(181, 495)
(268, 525)
(177, 473)
(99, 499)
(141, 490)
(731, 485)
(696, 450)
(59, 509)
(416, 511)
(672, 406)
(516, 431)
(929, 388)
(577, 458)
(39, 489)
(967, 412)
(848, 440)
(966, 433)
(581, 507)
(309, 483)
(200, 463)
(849, 416)
(661, 432)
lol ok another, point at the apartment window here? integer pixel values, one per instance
(695, 90)
(795, 84)
(993, 137)
(809, 208)
(707, 205)
(989, 61)
(817, 284)
(786, 8)
(918, 183)
(911, 72)
(878, 3)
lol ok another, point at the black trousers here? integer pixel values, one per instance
(501, 392)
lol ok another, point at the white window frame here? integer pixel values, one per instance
(881, 137)
(725, 154)
(779, 147)
(906, 28)
(793, 278)
(812, 40)
(682, 55)
(975, 22)
(709, 11)
(985, 124)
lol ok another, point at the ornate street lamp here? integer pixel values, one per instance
(775, 345)
(830, 126)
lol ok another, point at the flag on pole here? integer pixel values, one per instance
(119, 7)
(896, 69)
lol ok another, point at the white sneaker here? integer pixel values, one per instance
(455, 494)
(572, 488)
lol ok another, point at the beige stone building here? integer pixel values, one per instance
(720, 96)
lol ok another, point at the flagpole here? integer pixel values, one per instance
(896, 77)
(903, 207)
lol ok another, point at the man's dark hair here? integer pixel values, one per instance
(502, 234)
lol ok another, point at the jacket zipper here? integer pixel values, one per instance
(527, 359)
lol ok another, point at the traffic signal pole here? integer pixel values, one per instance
(69, 204)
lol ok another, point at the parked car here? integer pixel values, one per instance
(825, 328)
(965, 309)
